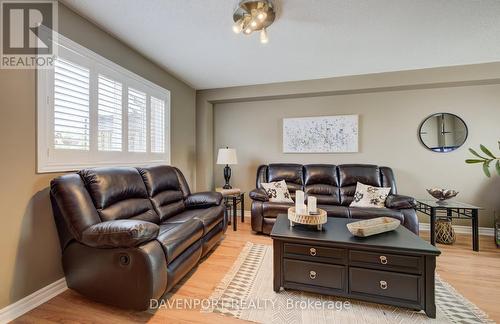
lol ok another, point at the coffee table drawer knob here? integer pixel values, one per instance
(383, 259)
(312, 274)
(312, 251)
(383, 284)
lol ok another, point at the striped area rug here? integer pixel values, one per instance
(246, 293)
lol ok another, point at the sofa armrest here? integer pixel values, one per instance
(259, 194)
(203, 200)
(400, 202)
(120, 233)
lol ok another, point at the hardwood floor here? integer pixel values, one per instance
(475, 275)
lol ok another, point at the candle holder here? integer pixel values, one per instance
(317, 219)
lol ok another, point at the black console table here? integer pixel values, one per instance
(450, 209)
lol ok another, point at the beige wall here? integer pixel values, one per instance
(389, 120)
(29, 246)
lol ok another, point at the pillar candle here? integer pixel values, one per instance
(311, 205)
(299, 202)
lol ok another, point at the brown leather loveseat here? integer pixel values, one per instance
(128, 235)
(334, 187)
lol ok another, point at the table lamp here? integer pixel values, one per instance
(227, 156)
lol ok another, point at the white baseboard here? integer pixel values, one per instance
(487, 231)
(22, 306)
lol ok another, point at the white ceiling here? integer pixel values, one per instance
(311, 39)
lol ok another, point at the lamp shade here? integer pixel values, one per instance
(227, 156)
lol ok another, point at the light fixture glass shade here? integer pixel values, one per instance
(264, 39)
(262, 16)
(227, 156)
(255, 16)
(238, 26)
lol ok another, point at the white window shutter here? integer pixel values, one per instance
(137, 127)
(157, 125)
(109, 128)
(71, 106)
(92, 112)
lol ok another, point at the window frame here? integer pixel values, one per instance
(50, 159)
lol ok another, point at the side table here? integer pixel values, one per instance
(231, 203)
(450, 209)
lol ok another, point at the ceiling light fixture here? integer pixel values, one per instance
(254, 15)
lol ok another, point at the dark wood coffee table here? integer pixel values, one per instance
(395, 268)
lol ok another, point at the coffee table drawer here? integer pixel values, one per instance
(404, 287)
(316, 274)
(315, 253)
(386, 261)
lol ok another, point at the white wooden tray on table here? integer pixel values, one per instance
(307, 219)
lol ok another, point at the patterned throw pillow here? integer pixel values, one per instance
(369, 196)
(277, 192)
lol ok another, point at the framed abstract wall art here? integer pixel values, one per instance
(323, 134)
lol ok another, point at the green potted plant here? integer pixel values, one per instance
(487, 161)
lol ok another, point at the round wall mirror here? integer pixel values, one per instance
(443, 132)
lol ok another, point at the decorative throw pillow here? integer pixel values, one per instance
(370, 196)
(277, 192)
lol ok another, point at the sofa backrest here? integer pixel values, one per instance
(322, 182)
(80, 200)
(73, 208)
(291, 173)
(330, 184)
(119, 193)
(167, 189)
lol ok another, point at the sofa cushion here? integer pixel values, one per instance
(208, 217)
(175, 238)
(182, 217)
(72, 205)
(325, 199)
(321, 173)
(370, 212)
(369, 196)
(351, 174)
(321, 181)
(335, 211)
(134, 208)
(277, 191)
(164, 188)
(387, 178)
(272, 209)
(119, 193)
(159, 178)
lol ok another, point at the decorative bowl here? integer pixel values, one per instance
(373, 226)
(442, 194)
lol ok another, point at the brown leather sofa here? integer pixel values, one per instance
(334, 187)
(129, 235)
